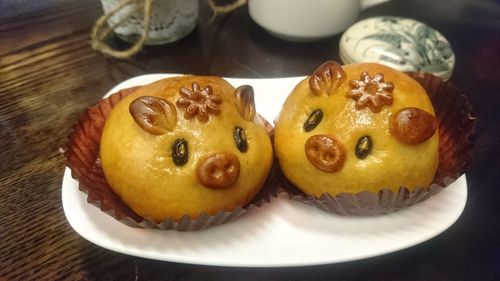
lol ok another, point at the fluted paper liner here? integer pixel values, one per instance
(82, 157)
(456, 128)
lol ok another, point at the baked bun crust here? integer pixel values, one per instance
(171, 148)
(360, 143)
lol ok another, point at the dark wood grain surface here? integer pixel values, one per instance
(49, 74)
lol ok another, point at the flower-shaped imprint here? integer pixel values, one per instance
(371, 92)
(199, 102)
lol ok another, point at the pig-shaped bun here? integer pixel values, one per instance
(359, 127)
(186, 146)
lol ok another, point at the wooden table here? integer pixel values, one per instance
(49, 74)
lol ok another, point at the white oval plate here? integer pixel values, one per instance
(283, 233)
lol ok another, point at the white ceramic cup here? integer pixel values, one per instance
(306, 20)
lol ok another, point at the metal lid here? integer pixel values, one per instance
(401, 43)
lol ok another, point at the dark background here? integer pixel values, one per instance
(49, 74)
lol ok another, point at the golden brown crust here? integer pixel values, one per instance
(374, 158)
(156, 174)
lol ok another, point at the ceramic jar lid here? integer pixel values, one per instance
(401, 43)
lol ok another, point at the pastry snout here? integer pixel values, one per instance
(325, 152)
(218, 170)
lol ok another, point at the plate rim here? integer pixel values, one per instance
(68, 180)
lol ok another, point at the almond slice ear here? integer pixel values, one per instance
(327, 78)
(154, 115)
(245, 103)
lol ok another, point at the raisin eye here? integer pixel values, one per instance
(180, 152)
(363, 147)
(240, 139)
(313, 120)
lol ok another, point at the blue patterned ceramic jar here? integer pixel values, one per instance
(401, 43)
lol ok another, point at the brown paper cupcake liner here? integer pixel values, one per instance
(456, 128)
(82, 157)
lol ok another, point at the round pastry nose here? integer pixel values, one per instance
(218, 170)
(325, 153)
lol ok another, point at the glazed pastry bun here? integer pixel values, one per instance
(186, 146)
(358, 127)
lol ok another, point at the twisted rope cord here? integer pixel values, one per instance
(224, 8)
(101, 30)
